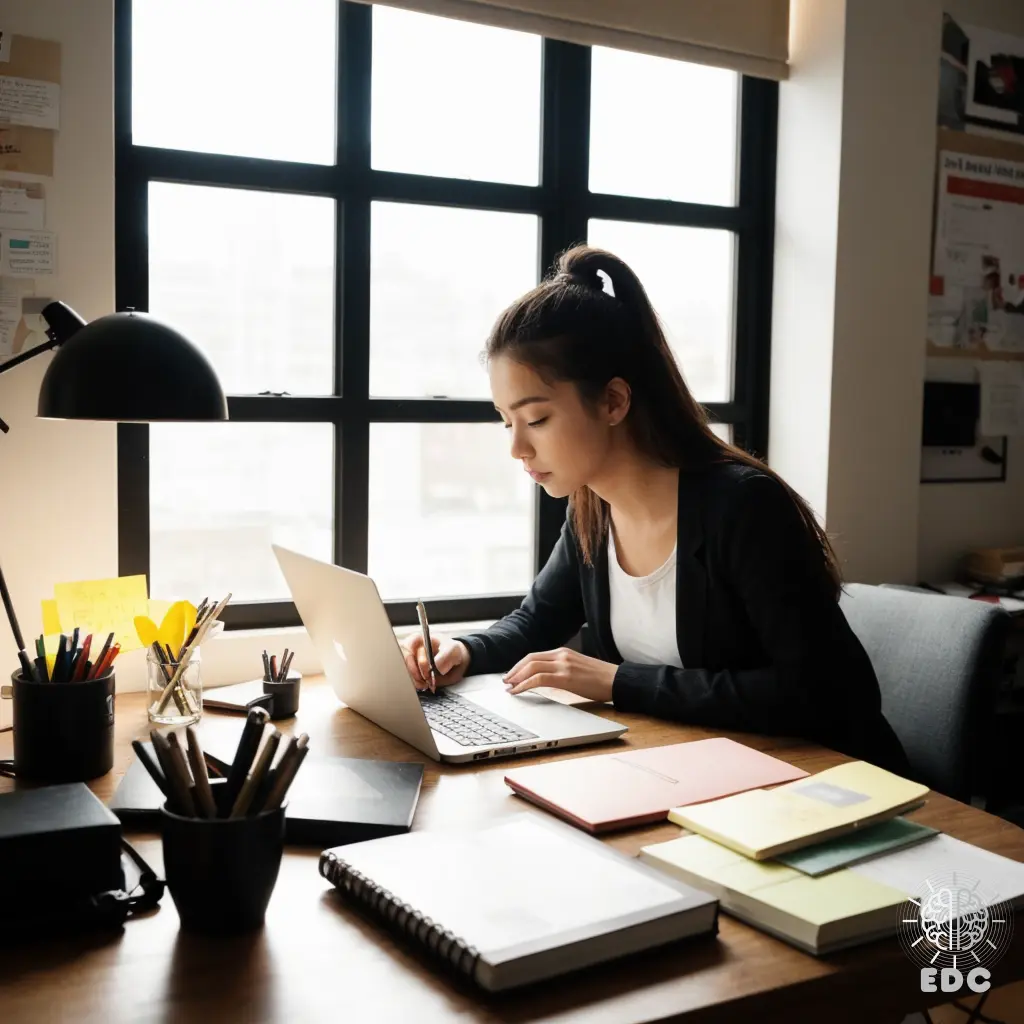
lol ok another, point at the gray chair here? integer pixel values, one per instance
(938, 661)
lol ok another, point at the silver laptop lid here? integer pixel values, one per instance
(350, 630)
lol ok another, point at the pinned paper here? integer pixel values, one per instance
(5, 45)
(27, 253)
(22, 205)
(104, 606)
(1002, 399)
(30, 101)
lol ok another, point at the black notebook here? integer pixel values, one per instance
(333, 800)
(57, 843)
(518, 901)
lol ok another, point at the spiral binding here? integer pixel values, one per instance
(398, 915)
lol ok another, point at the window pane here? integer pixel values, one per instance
(662, 129)
(241, 77)
(451, 514)
(439, 277)
(220, 494)
(249, 278)
(723, 430)
(688, 275)
(454, 99)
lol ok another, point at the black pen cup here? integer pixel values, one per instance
(221, 872)
(286, 695)
(63, 732)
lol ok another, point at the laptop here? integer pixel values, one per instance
(470, 720)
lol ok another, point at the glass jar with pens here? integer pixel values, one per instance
(175, 687)
(174, 679)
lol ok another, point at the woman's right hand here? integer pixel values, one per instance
(450, 656)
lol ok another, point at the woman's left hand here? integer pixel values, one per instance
(565, 669)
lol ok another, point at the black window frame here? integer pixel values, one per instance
(563, 203)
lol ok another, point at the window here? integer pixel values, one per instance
(340, 251)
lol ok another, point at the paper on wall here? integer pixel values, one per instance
(29, 101)
(10, 316)
(26, 150)
(1002, 399)
(27, 253)
(22, 206)
(5, 45)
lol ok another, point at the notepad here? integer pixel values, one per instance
(862, 845)
(518, 901)
(609, 791)
(765, 823)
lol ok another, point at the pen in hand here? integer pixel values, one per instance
(425, 631)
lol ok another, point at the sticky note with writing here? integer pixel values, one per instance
(104, 606)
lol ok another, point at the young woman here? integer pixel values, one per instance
(710, 590)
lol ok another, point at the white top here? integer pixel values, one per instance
(643, 611)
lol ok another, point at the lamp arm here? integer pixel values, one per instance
(24, 357)
(61, 323)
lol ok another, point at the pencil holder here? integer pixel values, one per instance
(285, 694)
(63, 732)
(221, 872)
(175, 689)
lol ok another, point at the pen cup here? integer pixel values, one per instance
(63, 732)
(221, 872)
(285, 694)
(182, 703)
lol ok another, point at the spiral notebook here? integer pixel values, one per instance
(516, 902)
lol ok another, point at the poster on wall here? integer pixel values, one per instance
(977, 287)
(981, 78)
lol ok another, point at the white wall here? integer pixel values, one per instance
(954, 517)
(58, 505)
(856, 144)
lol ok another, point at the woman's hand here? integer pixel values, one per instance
(450, 656)
(566, 669)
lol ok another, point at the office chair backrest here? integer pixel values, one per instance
(938, 661)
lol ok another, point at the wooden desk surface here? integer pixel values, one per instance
(316, 960)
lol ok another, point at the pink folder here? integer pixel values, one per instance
(611, 791)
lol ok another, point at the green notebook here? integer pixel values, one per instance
(857, 846)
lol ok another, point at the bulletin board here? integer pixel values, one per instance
(976, 300)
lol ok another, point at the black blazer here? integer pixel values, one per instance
(764, 644)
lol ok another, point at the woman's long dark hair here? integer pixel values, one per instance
(569, 328)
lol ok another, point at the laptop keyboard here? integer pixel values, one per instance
(468, 723)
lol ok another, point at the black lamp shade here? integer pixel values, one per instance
(130, 367)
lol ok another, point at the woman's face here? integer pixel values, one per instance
(561, 442)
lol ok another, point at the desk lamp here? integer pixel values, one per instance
(124, 367)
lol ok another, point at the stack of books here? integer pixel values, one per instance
(826, 862)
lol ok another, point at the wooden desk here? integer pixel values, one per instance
(317, 961)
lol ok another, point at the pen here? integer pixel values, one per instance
(102, 655)
(260, 769)
(203, 792)
(266, 667)
(179, 799)
(58, 665)
(285, 772)
(421, 612)
(285, 750)
(248, 744)
(182, 774)
(287, 665)
(150, 765)
(78, 671)
(273, 667)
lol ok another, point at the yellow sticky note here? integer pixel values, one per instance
(51, 617)
(104, 606)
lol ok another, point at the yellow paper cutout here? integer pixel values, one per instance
(175, 625)
(103, 606)
(51, 617)
(147, 630)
